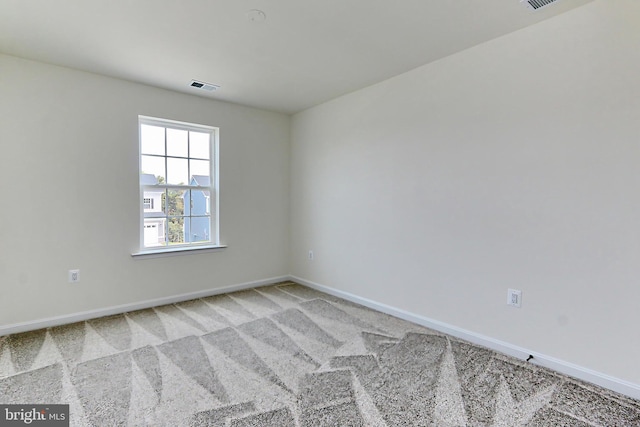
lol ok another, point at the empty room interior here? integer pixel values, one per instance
(382, 213)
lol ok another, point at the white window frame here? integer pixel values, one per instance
(213, 188)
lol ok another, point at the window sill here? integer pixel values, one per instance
(158, 253)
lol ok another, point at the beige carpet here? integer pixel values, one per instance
(286, 355)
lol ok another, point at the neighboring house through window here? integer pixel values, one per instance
(197, 209)
(177, 182)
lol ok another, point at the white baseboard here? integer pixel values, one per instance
(570, 369)
(124, 308)
(615, 384)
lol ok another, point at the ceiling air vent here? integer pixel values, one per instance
(537, 4)
(204, 86)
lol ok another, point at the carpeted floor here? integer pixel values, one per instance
(286, 355)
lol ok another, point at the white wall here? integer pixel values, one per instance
(513, 164)
(66, 136)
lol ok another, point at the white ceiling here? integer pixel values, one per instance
(304, 53)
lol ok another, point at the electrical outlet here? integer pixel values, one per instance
(74, 276)
(310, 255)
(514, 298)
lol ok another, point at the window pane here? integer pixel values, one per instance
(177, 171)
(202, 168)
(199, 202)
(152, 139)
(177, 143)
(199, 229)
(152, 165)
(152, 201)
(176, 230)
(199, 145)
(175, 202)
(154, 232)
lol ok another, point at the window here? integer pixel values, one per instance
(178, 188)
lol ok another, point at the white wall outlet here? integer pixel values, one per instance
(514, 298)
(310, 255)
(74, 276)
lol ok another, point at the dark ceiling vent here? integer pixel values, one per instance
(537, 4)
(210, 87)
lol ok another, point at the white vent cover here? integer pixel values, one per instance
(537, 4)
(210, 87)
